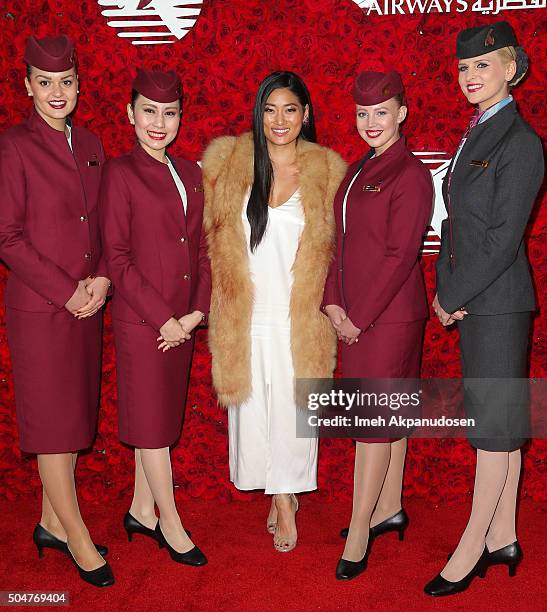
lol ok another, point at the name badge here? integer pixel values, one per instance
(198, 189)
(93, 162)
(479, 162)
(374, 188)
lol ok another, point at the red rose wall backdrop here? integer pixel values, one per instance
(231, 47)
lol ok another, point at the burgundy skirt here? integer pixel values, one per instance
(387, 350)
(152, 386)
(56, 374)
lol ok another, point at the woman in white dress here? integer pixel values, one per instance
(270, 230)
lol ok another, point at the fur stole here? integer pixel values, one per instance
(227, 174)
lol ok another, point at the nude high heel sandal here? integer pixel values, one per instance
(287, 545)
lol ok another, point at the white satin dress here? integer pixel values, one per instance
(264, 451)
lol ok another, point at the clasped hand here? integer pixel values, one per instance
(345, 329)
(444, 317)
(176, 331)
(89, 297)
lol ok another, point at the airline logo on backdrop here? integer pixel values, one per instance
(438, 163)
(151, 22)
(409, 7)
(160, 22)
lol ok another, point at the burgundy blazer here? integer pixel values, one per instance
(49, 227)
(156, 255)
(376, 276)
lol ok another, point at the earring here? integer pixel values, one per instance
(29, 94)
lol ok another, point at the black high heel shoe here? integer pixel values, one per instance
(44, 539)
(440, 587)
(510, 555)
(100, 577)
(347, 570)
(398, 522)
(132, 525)
(192, 557)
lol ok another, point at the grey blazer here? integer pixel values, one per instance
(482, 264)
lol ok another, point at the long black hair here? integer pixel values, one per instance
(257, 207)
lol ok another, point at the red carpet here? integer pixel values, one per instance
(246, 573)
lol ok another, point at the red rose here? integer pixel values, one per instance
(222, 61)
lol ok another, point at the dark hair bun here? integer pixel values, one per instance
(522, 65)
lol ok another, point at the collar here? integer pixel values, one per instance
(492, 110)
(145, 158)
(37, 123)
(395, 150)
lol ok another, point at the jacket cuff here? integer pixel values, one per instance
(160, 318)
(331, 296)
(201, 303)
(101, 269)
(447, 303)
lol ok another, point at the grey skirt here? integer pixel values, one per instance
(494, 351)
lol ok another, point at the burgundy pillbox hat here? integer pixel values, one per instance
(374, 87)
(158, 86)
(52, 53)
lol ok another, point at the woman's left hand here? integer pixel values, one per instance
(189, 322)
(347, 332)
(97, 287)
(444, 317)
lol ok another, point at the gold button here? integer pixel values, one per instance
(372, 324)
(183, 239)
(49, 303)
(451, 255)
(186, 277)
(87, 255)
(83, 218)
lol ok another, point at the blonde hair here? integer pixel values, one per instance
(508, 55)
